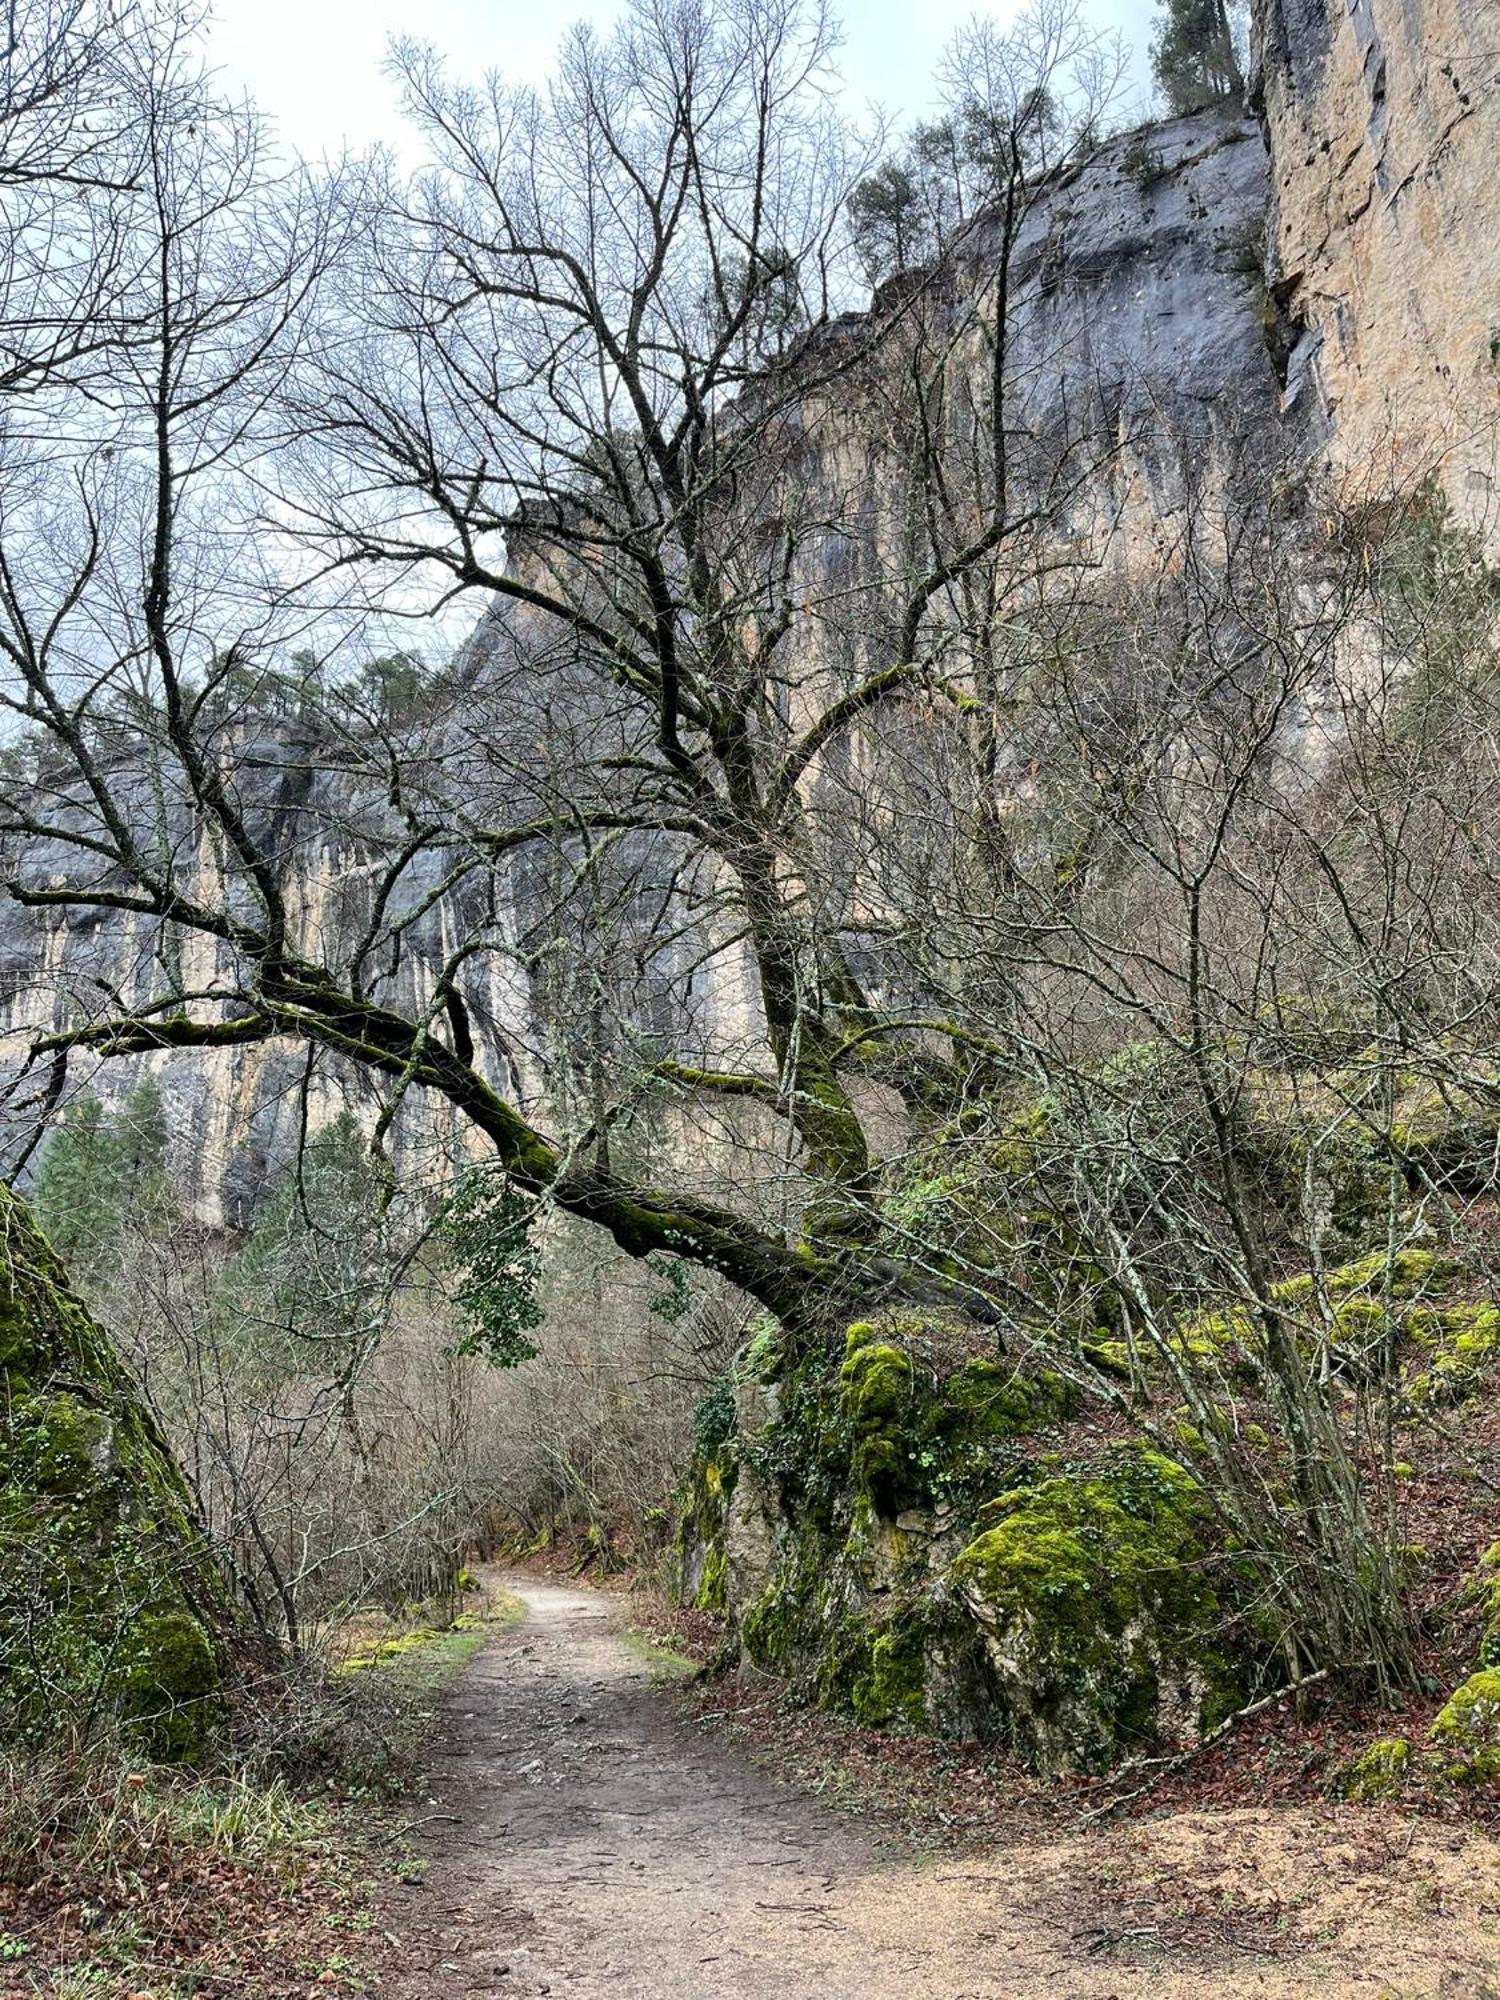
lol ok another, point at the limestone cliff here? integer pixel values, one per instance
(1382, 122)
(1141, 345)
(1320, 283)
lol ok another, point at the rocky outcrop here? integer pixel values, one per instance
(1148, 345)
(235, 1115)
(111, 1608)
(1382, 122)
(1140, 354)
(908, 1533)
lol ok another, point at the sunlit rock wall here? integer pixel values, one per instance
(1382, 119)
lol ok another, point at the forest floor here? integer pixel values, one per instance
(590, 1834)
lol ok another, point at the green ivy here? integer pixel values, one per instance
(487, 1228)
(676, 1301)
(713, 1420)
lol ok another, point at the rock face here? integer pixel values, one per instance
(234, 1115)
(900, 1533)
(1324, 280)
(111, 1610)
(1141, 319)
(1140, 349)
(1383, 127)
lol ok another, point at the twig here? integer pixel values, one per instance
(453, 1819)
(1175, 1761)
(1101, 1938)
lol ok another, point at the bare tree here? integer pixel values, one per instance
(811, 676)
(603, 334)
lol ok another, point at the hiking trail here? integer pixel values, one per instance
(588, 1839)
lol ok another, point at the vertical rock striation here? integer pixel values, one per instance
(1382, 120)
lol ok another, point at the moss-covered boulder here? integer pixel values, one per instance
(1467, 1729)
(1096, 1596)
(1379, 1773)
(1483, 1595)
(111, 1609)
(921, 1429)
(1461, 1348)
(898, 1526)
(858, 1470)
(702, 1555)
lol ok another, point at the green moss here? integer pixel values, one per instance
(111, 1608)
(910, 1436)
(1360, 1321)
(169, 1682)
(1380, 1772)
(1445, 1132)
(703, 1518)
(425, 1658)
(764, 1354)
(1100, 1618)
(1406, 1275)
(877, 1383)
(892, 1687)
(871, 1450)
(1467, 1729)
(1464, 1343)
(1109, 1355)
(987, 1399)
(1360, 1296)
(1484, 1591)
(1228, 1340)
(713, 1584)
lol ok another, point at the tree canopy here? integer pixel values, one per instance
(1195, 52)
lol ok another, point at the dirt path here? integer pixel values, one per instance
(594, 1843)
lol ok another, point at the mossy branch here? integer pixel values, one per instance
(301, 1001)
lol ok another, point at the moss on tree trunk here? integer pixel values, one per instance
(112, 1611)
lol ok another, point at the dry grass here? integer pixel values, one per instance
(256, 1880)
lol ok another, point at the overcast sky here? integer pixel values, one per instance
(315, 65)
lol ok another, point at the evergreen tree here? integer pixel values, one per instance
(1195, 53)
(140, 1134)
(99, 1173)
(892, 229)
(79, 1194)
(310, 1274)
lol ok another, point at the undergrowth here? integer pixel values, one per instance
(258, 1873)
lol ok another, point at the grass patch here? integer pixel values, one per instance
(258, 1877)
(117, 1878)
(663, 1663)
(426, 1657)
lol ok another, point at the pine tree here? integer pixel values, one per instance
(310, 1274)
(892, 230)
(140, 1134)
(80, 1190)
(99, 1175)
(1195, 53)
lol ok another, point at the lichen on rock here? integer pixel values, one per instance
(111, 1608)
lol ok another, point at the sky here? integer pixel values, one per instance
(315, 65)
